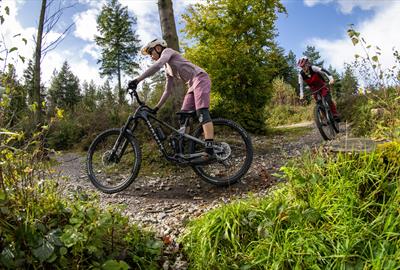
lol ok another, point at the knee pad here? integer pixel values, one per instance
(203, 115)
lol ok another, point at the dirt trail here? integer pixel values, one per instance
(166, 203)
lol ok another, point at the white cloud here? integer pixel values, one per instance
(86, 25)
(381, 31)
(148, 27)
(347, 6)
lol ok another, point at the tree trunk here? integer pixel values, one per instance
(170, 35)
(38, 113)
(167, 21)
(120, 92)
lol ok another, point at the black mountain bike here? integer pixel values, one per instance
(114, 157)
(326, 124)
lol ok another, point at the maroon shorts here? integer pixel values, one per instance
(198, 95)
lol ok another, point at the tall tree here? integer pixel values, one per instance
(47, 21)
(118, 41)
(37, 97)
(232, 42)
(314, 56)
(337, 86)
(349, 82)
(89, 95)
(28, 81)
(293, 72)
(64, 91)
(168, 28)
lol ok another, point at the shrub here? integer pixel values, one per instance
(39, 229)
(336, 212)
(359, 110)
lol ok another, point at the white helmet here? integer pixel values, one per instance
(152, 44)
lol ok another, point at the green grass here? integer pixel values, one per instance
(288, 114)
(335, 212)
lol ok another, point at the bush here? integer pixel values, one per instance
(376, 114)
(288, 114)
(41, 230)
(336, 212)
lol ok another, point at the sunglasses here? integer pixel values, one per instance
(150, 50)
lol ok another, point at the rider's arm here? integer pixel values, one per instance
(167, 91)
(322, 71)
(165, 56)
(301, 86)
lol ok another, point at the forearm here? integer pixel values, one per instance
(167, 92)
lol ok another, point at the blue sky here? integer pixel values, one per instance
(320, 23)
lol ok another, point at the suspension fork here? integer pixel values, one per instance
(125, 129)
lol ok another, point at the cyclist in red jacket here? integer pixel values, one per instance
(313, 77)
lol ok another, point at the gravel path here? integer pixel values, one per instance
(166, 204)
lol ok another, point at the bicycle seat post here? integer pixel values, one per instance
(184, 122)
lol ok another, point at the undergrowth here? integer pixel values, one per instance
(40, 228)
(336, 212)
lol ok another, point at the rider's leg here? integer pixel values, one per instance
(201, 90)
(208, 128)
(332, 104)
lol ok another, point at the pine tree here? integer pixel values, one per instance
(64, 91)
(118, 42)
(314, 56)
(292, 78)
(28, 81)
(349, 83)
(89, 95)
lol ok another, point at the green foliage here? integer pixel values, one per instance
(288, 114)
(349, 84)
(284, 107)
(313, 56)
(118, 42)
(368, 64)
(292, 74)
(64, 91)
(40, 229)
(13, 100)
(234, 43)
(335, 212)
(376, 114)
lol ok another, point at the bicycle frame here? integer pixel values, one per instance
(321, 100)
(144, 113)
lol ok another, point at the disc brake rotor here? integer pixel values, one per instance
(225, 153)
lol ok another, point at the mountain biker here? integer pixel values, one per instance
(198, 95)
(313, 76)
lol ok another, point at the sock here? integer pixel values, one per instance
(209, 146)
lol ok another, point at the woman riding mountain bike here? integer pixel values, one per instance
(313, 77)
(197, 97)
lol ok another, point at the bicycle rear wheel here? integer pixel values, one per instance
(235, 159)
(323, 123)
(110, 172)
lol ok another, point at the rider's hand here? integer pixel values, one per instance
(154, 110)
(133, 84)
(331, 81)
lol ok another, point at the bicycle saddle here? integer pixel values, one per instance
(186, 113)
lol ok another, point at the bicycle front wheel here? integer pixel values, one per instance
(235, 159)
(113, 172)
(323, 123)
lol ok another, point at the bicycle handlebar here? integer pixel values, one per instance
(132, 92)
(316, 91)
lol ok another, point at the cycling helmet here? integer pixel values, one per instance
(152, 44)
(303, 61)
